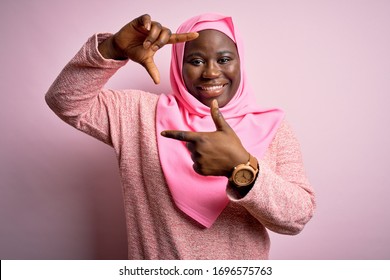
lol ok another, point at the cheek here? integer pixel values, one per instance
(189, 76)
(186, 76)
(235, 75)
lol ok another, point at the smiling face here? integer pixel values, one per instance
(211, 67)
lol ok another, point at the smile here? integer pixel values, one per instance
(211, 91)
(211, 88)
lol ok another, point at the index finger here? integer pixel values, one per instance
(143, 21)
(182, 37)
(187, 136)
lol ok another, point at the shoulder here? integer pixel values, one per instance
(285, 138)
(140, 95)
(130, 96)
(285, 130)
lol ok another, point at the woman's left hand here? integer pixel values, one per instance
(213, 153)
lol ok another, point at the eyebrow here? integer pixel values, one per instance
(219, 53)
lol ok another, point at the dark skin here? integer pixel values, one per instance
(214, 153)
(211, 67)
(139, 40)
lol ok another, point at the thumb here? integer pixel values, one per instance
(219, 120)
(151, 67)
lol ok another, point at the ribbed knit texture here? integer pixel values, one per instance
(281, 200)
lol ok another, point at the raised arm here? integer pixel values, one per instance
(77, 95)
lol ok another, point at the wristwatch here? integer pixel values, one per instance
(244, 174)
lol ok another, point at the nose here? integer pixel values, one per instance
(211, 70)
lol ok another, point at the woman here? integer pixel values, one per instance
(204, 170)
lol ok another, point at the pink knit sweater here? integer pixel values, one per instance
(281, 200)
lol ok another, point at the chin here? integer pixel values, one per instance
(222, 102)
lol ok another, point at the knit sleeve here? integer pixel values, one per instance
(77, 95)
(282, 199)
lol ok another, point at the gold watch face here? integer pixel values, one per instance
(243, 177)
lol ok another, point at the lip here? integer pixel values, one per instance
(209, 91)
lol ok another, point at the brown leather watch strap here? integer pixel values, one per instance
(253, 163)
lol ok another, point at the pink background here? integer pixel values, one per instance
(327, 63)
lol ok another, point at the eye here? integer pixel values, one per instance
(196, 61)
(224, 60)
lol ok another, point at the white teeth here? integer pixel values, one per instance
(212, 88)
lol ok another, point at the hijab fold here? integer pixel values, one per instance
(203, 198)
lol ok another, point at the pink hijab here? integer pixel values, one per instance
(203, 198)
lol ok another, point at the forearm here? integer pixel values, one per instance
(281, 206)
(281, 198)
(80, 82)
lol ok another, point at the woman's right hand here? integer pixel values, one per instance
(139, 40)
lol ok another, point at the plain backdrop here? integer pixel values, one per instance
(326, 63)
